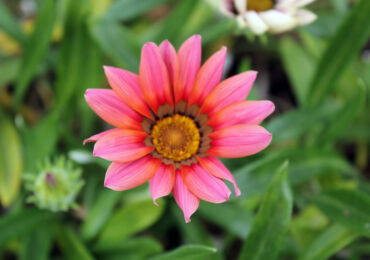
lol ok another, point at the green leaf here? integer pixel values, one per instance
(8, 71)
(235, 218)
(99, 213)
(37, 245)
(9, 24)
(116, 41)
(22, 222)
(188, 252)
(299, 66)
(35, 48)
(127, 9)
(330, 241)
(11, 161)
(71, 244)
(350, 208)
(272, 220)
(131, 218)
(340, 52)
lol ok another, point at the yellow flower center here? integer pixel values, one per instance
(176, 137)
(259, 5)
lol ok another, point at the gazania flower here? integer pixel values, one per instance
(275, 16)
(173, 120)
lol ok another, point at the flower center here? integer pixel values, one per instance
(260, 5)
(176, 137)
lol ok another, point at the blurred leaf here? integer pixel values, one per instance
(128, 220)
(44, 136)
(344, 117)
(36, 47)
(188, 252)
(8, 71)
(217, 29)
(71, 244)
(340, 52)
(330, 241)
(11, 161)
(99, 213)
(350, 208)
(299, 66)
(232, 217)
(272, 220)
(38, 244)
(22, 222)
(127, 9)
(9, 24)
(117, 42)
(136, 248)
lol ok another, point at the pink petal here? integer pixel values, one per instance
(238, 141)
(153, 76)
(128, 175)
(189, 56)
(96, 137)
(186, 200)
(218, 169)
(228, 91)
(122, 145)
(169, 56)
(162, 182)
(112, 109)
(126, 85)
(204, 185)
(242, 112)
(208, 77)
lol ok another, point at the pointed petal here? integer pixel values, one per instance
(189, 56)
(242, 112)
(126, 85)
(112, 109)
(128, 175)
(122, 145)
(208, 77)
(239, 141)
(204, 185)
(96, 137)
(169, 56)
(186, 200)
(153, 77)
(257, 25)
(228, 91)
(162, 182)
(218, 169)
(305, 17)
(278, 21)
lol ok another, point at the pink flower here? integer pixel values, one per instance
(172, 121)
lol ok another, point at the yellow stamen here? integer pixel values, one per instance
(176, 137)
(259, 5)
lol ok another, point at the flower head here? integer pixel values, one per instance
(275, 16)
(56, 185)
(172, 121)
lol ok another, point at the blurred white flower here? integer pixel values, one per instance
(275, 16)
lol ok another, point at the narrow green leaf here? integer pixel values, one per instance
(117, 42)
(272, 220)
(37, 245)
(330, 241)
(71, 244)
(11, 161)
(131, 218)
(127, 9)
(299, 66)
(99, 213)
(9, 24)
(340, 52)
(350, 208)
(188, 252)
(35, 48)
(22, 222)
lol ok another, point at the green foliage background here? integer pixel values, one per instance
(305, 197)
